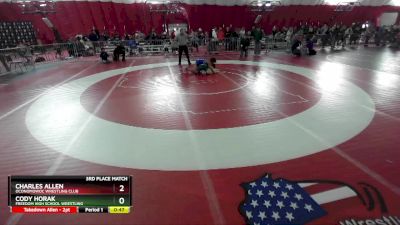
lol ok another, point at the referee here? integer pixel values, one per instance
(182, 40)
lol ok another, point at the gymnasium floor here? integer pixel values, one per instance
(329, 125)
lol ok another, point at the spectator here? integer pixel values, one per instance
(324, 32)
(348, 34)
(369, 32)
(296, 46)
(310, 46)
(214, 40)
(288, 38)
(379, 36)
(242, 32)
(253, 28)
(221, 34)
(342, 35)
(334, 33)
(397, 39)
(174, 46)
(166, 46)
(96, 31)
(230, 28)
(257, 35)
(244, 44)
(357, 32)
(105, 36)
(133, 45)
(173, 34)
(104, 56)
(227, 38)
(119, 51)
(201, 36)
(274, 32)
(214, 34)
(164, 35)
(93, 36)
(195, 40)
(152, 35)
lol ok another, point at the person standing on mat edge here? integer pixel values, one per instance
(182, 40)
(257, 35)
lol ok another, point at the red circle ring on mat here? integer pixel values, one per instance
(58, 120)
(236, 96)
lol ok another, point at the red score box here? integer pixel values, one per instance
(44, 209)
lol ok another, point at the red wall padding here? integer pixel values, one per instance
(79, 17)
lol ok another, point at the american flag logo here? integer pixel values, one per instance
(279, 201)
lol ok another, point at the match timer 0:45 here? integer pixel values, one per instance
(70, 194)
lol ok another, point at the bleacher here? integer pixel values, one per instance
(13, 33)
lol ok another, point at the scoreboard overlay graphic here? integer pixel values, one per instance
(70, 194)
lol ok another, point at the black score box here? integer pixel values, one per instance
(93, 210)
